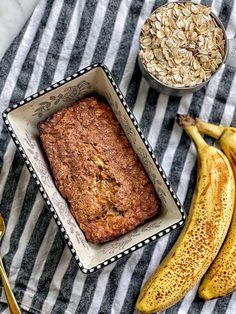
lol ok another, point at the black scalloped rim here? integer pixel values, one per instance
(43, 192)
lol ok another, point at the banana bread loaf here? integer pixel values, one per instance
(97, 171)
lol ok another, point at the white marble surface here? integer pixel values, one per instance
(13, 15)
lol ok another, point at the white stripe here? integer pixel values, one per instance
(76, 292)
(44, 47)
(15, 209)
(117, 33)
(141, 100)
(55, 285)
(215, 81)
(156, 257)
(25, 237)
(40, 261)
(69, 41)
(100, 289)
(230, 105)
(216, 6)
(94, 33)
(7, 161)
(13, 15)
(130, 64)
(22, 52)
(231, 306)
(125, 279)
(231, 27)
(208, 307)
(186, 173)
(187, 301)
(209, 98)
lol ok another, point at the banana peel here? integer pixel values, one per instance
(204, 231)
(220, 279)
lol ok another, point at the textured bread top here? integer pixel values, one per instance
(97, 171)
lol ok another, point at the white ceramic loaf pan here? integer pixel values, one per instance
(22, 119)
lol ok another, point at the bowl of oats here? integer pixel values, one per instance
(182, 46)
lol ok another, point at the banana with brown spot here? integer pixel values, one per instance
(220, 279)
(204, 231)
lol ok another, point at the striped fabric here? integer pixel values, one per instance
(60, 38)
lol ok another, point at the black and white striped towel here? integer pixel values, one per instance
(60, 38)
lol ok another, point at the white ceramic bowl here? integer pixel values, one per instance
(22, 119)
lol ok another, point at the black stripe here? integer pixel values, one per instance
(126, 41)
(50, 267)
(88, 292)
(185, 142)
(30, 253)
(233, 123)
(222, 304)
(112, 285)
(137, 279)
(28, 202)
(196, 305)
(149, 111)
(9, 56)
(225, 11)
(4, 141)
(66, 287)
(82, 37)
(27, 68)
(132, 91)
(208, 3)
(134, 84)
(106, 31)
(3, 306)
(166, 127)
(11, 185)
(56, 44)
(222, 95)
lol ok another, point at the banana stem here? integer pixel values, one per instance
(189, 125)
(210, 129)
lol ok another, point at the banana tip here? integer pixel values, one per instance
(205, 294)
(185, 120)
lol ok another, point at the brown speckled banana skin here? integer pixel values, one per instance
(220, 279)
(203, 234)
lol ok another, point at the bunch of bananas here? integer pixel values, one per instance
(211, 217)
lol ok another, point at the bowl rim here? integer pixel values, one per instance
(53, 211)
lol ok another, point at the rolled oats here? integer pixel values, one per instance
(181, 44)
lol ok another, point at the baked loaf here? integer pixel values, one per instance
(97, 171)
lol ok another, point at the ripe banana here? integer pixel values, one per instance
(220, 279)
(204, 231)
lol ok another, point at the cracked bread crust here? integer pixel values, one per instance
(97, 171)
